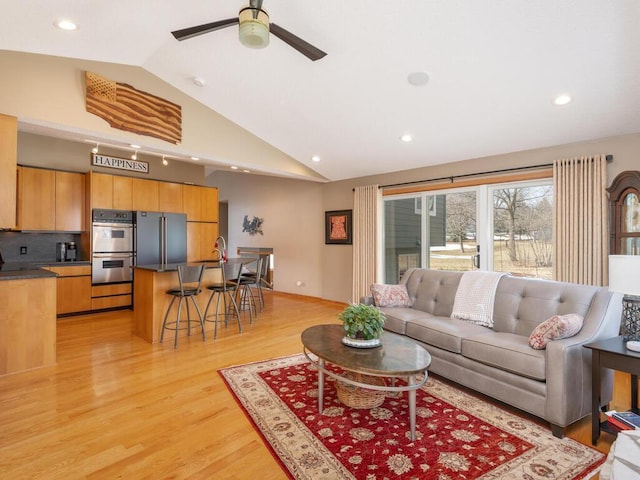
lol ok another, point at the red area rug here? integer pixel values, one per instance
(458, 435)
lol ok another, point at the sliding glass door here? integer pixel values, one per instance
(503, 228)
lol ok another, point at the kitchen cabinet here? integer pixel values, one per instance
(100, 190)
(73, 288)
(8, 173)
(69, 210)
(170, 197)
(36, 199)
(28, 323)
(110, 191)
(50, 201)
(145, 195)
(201, 237)
(200, 203)
(114, 295)
(122, 193)
(209, 198)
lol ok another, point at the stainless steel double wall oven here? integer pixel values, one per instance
(112, 246)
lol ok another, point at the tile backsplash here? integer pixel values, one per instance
(41, 247)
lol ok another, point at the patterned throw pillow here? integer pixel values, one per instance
(390, 295)
(555, 328)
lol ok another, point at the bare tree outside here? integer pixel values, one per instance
(523, 221)
(461, 217)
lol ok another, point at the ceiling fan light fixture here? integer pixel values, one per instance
(254, 27)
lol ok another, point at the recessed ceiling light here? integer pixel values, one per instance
(418, 79)
(233, 167)
(199, 81)
(195, 159)
(315, 158)
(246, 171)
(562, 100)
(135, 146)
(406, 138)
(66, 25)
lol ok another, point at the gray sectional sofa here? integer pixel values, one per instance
(553, 384)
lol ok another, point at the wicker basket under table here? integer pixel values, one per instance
(358, 397)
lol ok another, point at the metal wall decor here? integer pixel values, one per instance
(252, 227)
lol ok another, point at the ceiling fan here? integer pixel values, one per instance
(254, 31)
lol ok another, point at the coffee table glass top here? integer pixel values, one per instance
(397, 356)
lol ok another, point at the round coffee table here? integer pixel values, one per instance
(398, 356)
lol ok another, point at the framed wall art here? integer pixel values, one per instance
(338, 226)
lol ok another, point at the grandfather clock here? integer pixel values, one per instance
(624, 214)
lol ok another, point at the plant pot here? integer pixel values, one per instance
(361, 342)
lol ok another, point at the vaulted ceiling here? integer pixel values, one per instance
(493, 68)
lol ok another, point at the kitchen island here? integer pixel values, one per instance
(28, 319)
(150, 300)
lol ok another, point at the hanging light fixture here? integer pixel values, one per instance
(95, 149)
(254, 27)
(135, 155)
(164, 161)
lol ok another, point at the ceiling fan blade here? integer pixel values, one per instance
(303, 47)
(191, 32)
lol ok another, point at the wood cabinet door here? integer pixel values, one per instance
(145, 195)
(207, 238)
(191, 203)
(36, 199)
(101, 185)
(193, 242)
(8, 165)
(201, 237)
(170, 197)
(73, 295)
(69, 213)
(209, 207)
(122, 193)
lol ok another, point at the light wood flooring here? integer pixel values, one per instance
(116, 406)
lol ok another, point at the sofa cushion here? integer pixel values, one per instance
(396, 318)
(555, 328)
(506, 351)
(390, 295)
(443, 332)
(432, 291)
(524, 303)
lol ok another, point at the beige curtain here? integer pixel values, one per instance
(581, 241)
(365, 227)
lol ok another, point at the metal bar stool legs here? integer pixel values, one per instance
(190, 278)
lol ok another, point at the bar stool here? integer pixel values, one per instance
(190, 278)
(225, 289)
(257, 278)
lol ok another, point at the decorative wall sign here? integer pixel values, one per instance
(131, 110)
(119, 163)
(338, 227)
(252, 226)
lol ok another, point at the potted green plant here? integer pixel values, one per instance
(362, 324)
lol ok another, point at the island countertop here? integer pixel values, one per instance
(172, 267)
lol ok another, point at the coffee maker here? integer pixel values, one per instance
(66, 252)
(71, 252)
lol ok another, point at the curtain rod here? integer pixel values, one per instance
(609, 158)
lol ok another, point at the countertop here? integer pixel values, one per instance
(172, 267)
(21, 270)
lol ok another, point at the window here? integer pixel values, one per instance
(505, 228)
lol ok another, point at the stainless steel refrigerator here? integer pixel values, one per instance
(160, 238)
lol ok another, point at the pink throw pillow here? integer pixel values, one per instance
(555, 328)
(390, 295)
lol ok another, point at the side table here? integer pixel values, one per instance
(611, 353)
